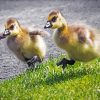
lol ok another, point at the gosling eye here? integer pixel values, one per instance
(11, 27)
(54, 19)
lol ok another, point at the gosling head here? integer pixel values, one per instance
(12, 27)
(54, 20)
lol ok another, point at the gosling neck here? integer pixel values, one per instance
(64, 28)
(23, 38)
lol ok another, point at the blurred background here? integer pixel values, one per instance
(34, 13)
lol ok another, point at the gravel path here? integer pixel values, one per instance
(34, 12)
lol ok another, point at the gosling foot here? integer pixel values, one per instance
(33, 60)
(64, 62)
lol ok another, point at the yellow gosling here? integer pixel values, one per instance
(80, 41)
(27, 45)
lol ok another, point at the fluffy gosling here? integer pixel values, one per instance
(27, 45)
(81, 42)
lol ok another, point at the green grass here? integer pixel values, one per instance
(79, 82)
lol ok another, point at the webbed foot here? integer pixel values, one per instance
(64, 63)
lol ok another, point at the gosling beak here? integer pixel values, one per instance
(6, 32)
(48, 25)
(2, 36)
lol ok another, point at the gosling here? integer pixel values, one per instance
(27, 45)
(80, 41)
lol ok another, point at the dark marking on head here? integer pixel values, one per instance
(11, 27)
(11, 20)
(54, 19)
(55, 12)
